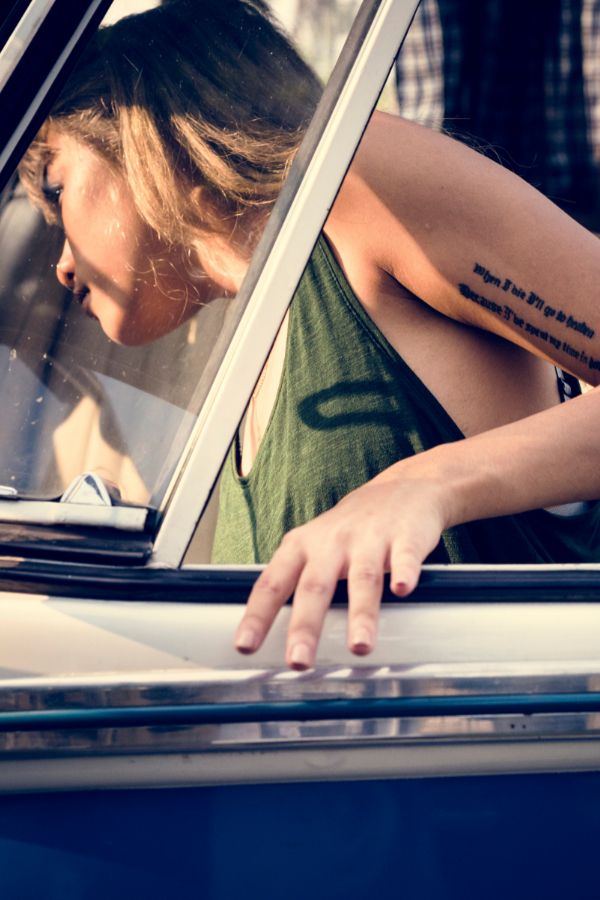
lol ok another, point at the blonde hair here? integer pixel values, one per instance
(201, 104)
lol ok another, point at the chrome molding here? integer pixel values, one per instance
(39, 98)
(302, 748)
(230, 392)
(26, 29)
(185, 687)
(251, 736)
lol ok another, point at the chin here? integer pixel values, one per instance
(136, 336)
(127, 333)
(136, 330)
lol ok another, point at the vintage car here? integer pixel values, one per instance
(140, 755)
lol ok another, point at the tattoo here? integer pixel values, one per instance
(477, 298)
(510, 315)
(532, 300)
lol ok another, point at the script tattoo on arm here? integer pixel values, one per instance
(530, 298)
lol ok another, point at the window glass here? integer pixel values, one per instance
(318, 27)
(114, 396)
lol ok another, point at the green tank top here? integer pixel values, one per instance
(348, 406)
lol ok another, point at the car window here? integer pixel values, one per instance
(358, 83)
(538, 120)
(73, 397)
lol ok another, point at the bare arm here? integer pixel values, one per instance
(454, 228)
(472, 240)
(393, 522)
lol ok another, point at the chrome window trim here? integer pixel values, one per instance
(216, 687)
(232, 386)
(48, 83)
(48, 512)
(24, 32)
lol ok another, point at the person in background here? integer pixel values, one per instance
(519, 80)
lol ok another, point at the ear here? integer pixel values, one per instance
(211, 213)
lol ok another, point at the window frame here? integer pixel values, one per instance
(53, 42)
(62, 28)
(278, 263)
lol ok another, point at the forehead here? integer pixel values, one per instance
(66, 148)
(75, 163)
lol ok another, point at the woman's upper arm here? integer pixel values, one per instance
(474, 241)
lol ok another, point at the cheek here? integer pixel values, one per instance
(114, 240)
(99, 218)
(106, 258)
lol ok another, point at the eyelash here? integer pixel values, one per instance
(51, 194)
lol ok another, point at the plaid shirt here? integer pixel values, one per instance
(524, 83)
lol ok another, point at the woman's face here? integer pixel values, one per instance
(120, 271)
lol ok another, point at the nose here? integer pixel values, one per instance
(65, 267)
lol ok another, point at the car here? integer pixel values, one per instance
(140, 755)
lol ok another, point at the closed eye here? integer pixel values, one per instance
(52, 192)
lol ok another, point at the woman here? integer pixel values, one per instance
(433, 308)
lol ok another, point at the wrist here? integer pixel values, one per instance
(452, 481)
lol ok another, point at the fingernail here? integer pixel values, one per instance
(362, 640)
(245, 641)
(301, 657)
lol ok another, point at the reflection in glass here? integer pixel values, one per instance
(72, 400)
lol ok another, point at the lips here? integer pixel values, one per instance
(84, 298)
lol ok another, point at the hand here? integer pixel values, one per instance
(389, 524)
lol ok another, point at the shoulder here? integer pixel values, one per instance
(386, 219)
(422, 211)
(412, 193)
(395, 201)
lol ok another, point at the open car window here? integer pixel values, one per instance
(76, 400)
(353, 90)
(135, 413)
(428, 95)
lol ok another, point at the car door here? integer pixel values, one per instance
(138, 752)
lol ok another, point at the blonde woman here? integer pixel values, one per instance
(410, 408)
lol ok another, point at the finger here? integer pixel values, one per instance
(311, 601)
(406, 559)
(365, 587)
(271, 591)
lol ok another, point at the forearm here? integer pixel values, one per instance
(542, 461)
(394, 521)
